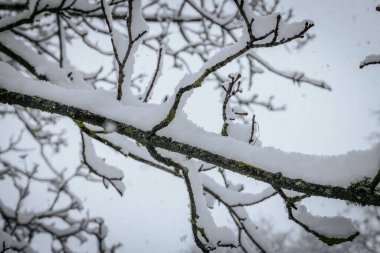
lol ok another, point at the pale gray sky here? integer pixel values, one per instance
(153, 214)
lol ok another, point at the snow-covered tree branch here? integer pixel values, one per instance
(113, 107)
(372, 59)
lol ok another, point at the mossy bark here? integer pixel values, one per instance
(355, 194)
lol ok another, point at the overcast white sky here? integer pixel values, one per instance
(153, 214)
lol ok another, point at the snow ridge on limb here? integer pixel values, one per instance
(8, 243)
(125, 48)
(109, 174)
(355, 194)
(241, 162)
(370, 60)
(38, 65)
(230, 197)
(294, 165)
(331, 230)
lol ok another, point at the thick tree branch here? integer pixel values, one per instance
(352, 194)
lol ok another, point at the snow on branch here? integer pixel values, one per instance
(35, 72)
(7, 243)
(235, 198)
(28, 224)
(230, 53)
(370, 60)
(124, 48)
(290, 170)
(37, 7)
(38, 65)
(109, 174)
(352, 193)
(331, 230)
(231, 198)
